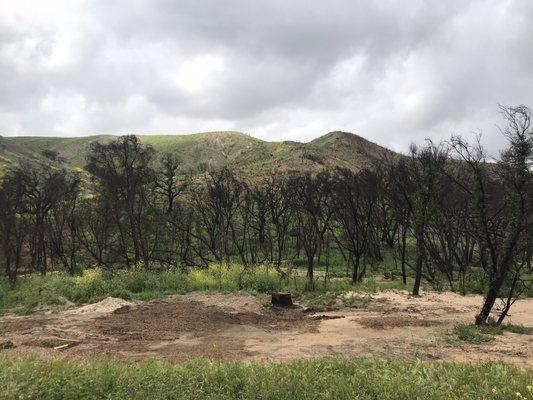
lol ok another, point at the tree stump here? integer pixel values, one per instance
(282, 299)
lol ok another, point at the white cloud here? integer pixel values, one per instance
(392, 71)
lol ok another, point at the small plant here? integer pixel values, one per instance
(485, 333)
(322, 301)
(520, 329)
(475, 334)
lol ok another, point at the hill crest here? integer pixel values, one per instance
(213, 150)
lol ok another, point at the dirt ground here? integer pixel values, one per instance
(228, 326)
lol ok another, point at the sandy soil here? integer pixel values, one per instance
(239, 327)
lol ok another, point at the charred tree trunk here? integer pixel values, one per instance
(310, 273)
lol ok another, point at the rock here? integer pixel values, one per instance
(283, 299)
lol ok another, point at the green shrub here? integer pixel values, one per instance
(476, 334)
(321, 301)
(262, 279)
(121, 294)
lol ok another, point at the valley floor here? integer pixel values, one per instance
(231, 326)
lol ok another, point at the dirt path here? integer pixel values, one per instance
(238, 327)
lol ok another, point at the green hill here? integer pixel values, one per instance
(212, 150)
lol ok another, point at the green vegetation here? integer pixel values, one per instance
(328, 300)
(520, 329)
(94, 285)
(475, 334)
(215, 149)
(485, 333)
(316, 379)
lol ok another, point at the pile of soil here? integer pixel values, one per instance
(164, 320)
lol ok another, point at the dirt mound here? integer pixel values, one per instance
(181, 328)
(171, 319)
(108, 305)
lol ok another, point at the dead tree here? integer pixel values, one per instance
(500, 200)
(311, 197)
(354, 207)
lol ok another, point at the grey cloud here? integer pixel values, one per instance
(392, 71)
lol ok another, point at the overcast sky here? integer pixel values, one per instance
(391, 71)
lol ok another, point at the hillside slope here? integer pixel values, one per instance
(212, 150)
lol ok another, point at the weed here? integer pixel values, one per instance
(520, 329)
(472, 334)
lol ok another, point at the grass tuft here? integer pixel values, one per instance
(475, 334)
(471, 333)
(520, 329)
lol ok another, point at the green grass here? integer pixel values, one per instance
(330, 300)
(140, 284)
(485, 333)
(310, 379)
(94, 285)
(322, 301)
(475, 334)
(248, 155)
(520, 329)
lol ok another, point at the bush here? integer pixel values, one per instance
(321, 301)
(262, 279)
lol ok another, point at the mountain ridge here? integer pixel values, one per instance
(212, 150)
